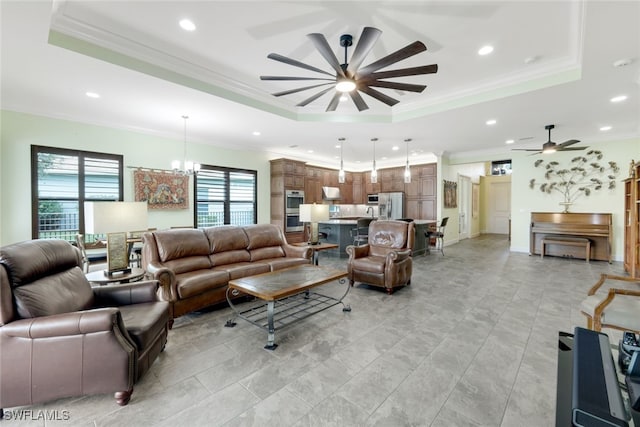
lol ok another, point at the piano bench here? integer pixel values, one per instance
(567, 241)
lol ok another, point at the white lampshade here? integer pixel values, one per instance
(114, 217)
(314, 213)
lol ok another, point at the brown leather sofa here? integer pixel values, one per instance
(194, 266)
(386, 260)
(60, 337)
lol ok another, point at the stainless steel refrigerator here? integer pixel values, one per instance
(391, 205)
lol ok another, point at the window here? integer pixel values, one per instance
(501, 167)
(62, 180)
(225, 196)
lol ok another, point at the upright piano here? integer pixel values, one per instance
(597, 227)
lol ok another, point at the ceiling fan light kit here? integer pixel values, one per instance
(550, 147)
(345, 85)
(349, 77)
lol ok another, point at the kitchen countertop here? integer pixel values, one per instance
(351, 221)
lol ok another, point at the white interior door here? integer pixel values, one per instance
(499, 207)
(464, 210)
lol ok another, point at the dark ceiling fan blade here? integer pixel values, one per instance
(568, 143)
(404, 53)
(413, 71)
(368, 38)
(379, 96)
(314, 97)
(300, 89)
(294, 78)
(395, 85)
(333, 104)
(357, 99)
(284, 59)
(320, 42)
(572, 149)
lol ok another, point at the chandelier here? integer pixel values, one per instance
(374, 171)
(190, 168)
(341, 173)
(407, 169)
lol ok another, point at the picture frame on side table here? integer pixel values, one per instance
(117, 253)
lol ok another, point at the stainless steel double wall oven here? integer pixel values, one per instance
(293, 200)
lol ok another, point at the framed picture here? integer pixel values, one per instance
(450, 194)
(161, 190)
(117, 252)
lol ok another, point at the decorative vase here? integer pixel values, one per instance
(566, 206)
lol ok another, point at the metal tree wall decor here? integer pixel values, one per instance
(584, 175)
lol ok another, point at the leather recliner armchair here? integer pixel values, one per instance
(386, 260)
(60, 337)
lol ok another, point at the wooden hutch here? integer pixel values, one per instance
(631, 224)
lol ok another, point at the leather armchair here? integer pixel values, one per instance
(60, 337)
(386, 260)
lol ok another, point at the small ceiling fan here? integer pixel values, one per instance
(551, 147)
(349, 78)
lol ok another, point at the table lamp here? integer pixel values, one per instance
(115, 219)
(313, 214)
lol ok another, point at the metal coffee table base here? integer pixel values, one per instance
(276, 314)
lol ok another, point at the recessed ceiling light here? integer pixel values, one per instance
(509, 141)
(309, 151)
(622, 62)
(256, 133)
(395, 148)
(619, 98)
(491, 122)
(337, 145)
(485, 50)
(187, 25)
(93, 95)
(605, 128)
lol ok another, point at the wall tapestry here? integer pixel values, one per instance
(161, 190)
(450, 194)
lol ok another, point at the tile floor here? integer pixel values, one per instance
(472, 342)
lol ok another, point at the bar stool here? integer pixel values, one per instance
(438, 234)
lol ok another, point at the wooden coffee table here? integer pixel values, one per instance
(287, 295)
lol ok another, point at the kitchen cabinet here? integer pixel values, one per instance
(346, 189)
(421, 192)
(339, 233)
(359, 196)
(285, 175)
(313, 181)
(370, 188)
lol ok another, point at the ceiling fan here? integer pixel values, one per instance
(349, 78)
(551, 147)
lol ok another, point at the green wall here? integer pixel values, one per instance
(19, 131)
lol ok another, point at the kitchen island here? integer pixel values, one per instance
(338, 231)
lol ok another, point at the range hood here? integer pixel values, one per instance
(330, 193)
